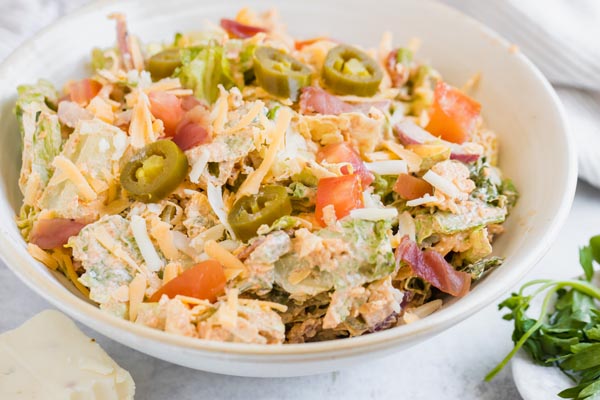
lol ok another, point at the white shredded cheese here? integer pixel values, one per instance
(140, 234)
(199, 166)
(442, 184)
(406, 226)
(374, 214)
(219, 113)
(422, 200)
(70, 170)
(388, 167)
(215, 199)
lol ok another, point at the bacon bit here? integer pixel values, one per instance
(316, 100)
(239, 30)
(53, 233)
(166, 107)
(194, 128)
(433, 268)
(122, 41)
(189, 102)
(410, 187)
(246, 251)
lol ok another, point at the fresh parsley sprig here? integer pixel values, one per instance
(566, 333)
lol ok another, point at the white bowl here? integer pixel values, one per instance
(518, 102)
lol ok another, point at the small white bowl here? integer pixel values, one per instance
(518, 103)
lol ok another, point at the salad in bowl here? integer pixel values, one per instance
(238, 184)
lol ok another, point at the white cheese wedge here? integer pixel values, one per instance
(61, 363)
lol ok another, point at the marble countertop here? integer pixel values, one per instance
(449, 366)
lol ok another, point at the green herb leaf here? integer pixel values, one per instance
(585, 259)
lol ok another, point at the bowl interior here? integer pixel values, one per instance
(518, 104)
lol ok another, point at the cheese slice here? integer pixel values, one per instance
(62, 363)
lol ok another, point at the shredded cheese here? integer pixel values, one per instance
(137, 288)
(252, 183)
(388, 167)
(374, 214)
(140, 129)
(268, 304)
(220, 111)
(199, 166)
(422, 200)
(67, 263)
(106, 240)
(218, 252)
(140, 234)
(215, 199)
(43, 257)
(249, 117)
(442, 184)
(413, 160)
(228, 311)
(68, 169)
(161, 231)
(171, 271)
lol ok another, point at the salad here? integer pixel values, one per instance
(238, 184)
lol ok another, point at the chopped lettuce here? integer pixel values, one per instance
(106, 270)
(303, 197)
(205, 67)
(237, 61)
(281, 224)
(350, 254)
(447, 223)
(202, 71)
(477, 268)
(41, 135)
(480, 246)
(95, 148)
(490, 187)
(383, 186)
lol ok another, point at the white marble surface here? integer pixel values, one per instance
(449, 366)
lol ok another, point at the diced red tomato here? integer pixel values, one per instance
(83, 91)
(433, 268)
(239, 30)
(454, 115)
(204, 281)
(166, 107)
(410, 187)
(299, 44)
(343, 192)
(54, 232)
(343, 152)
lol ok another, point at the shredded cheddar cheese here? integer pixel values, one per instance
(137, 288)
(73, 173)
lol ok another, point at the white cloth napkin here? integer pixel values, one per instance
(560, 36)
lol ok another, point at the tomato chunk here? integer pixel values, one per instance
(238, 30)
(343, 192)
(167, 108)
(410, 187)
(342, 152)
(454, 115)
(204, 281)
(83, 91)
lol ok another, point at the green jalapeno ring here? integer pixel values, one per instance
(155, 171)
(163, 64)
(348, 70)
(279, 73)
(265, 207)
